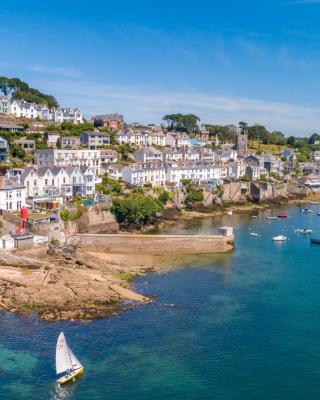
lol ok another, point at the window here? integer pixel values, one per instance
(46, 182)
(8, 195)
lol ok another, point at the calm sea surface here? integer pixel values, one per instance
(244, 325)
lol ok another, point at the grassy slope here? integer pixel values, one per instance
(266, 148)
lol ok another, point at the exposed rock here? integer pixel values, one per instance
(13, 260)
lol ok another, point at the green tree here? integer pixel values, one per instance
(291, 141)
(313, 138)
(5, 87)
(182, 122)
(136, 208)
(17, 151)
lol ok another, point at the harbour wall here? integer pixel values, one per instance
(152, 244)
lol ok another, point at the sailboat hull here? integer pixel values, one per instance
(70, 377)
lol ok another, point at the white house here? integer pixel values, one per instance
(5, 105)
(52, 138)
(12, 195)
(115, 171)
(228, 155)
(73, 115)
(108, 156)
(198, 173)
(147, 154)
(177, 139)
(141, 174)
(20, 108)
(316, 155)
(237, 170)
(171, 154)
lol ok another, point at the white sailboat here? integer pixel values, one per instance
(66, 362)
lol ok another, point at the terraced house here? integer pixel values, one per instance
(141, 137)
(66, 157)
(141, 174)
(58, 181)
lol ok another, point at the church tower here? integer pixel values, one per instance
(242, 140)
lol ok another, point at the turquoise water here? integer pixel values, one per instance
(245, 325)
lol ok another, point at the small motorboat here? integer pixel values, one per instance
(315, 240)
(279, 238)
(254, 216)
(304, 231)
(254, 234)
(66, 362)
(281, 216)
(306, 210)
(229, 213)
(272, 217)
(319, 213)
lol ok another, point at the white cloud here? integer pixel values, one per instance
(62, 71)
(143, 105)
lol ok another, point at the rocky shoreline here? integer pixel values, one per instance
(67, 283)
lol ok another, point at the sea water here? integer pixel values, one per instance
(243, 325)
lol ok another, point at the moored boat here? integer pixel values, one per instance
(315, 240)
(254, 234)
(272, 217)
(282, 216)
(66, 362)
(279, 238)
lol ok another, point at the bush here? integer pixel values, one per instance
(67, 215)
(194, 196)
(186, 182)
(136, 208)
(54, 242)
(164, 197)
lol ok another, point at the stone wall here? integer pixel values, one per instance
(234, 192)
(152, 244)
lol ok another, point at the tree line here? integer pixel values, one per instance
(19, 90)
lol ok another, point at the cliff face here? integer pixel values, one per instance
(97, 220)
(94, 220)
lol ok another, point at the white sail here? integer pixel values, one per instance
(63, 358)
(75, 362)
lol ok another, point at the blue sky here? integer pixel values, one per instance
(226, 61)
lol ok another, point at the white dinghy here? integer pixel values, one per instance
(66, 362)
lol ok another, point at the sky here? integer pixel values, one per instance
(223, 60)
